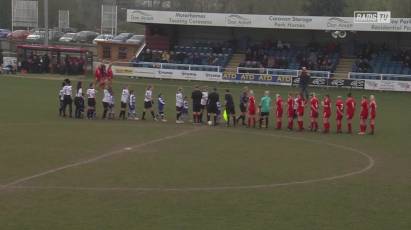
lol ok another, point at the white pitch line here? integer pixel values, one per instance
(369, 166)
(92, 160)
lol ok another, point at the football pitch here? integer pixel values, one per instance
(65, 174)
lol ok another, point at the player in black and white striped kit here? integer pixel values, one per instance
(67, 101)
(61, 99)
(111, 112)
(132, 106)
(148, 103)
(79, 101)
(91, 102)
(106, 101)
(203, 102)
(124, 101)
(179, 105)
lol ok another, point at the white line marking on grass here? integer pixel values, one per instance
(370, 165)
(94, 159)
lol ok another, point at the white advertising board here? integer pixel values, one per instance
(402, 86)
(265, 21)
(167, 73)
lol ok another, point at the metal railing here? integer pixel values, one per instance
(238, 70)
(159, 65)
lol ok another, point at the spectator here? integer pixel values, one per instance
(364, 66)
(165, 57)
(148, 56)
(304, 82)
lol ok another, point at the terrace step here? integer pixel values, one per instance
(235, 60)
(344, 67)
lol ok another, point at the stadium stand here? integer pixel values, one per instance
(280, 55)
(207, 54)
(380, 59)
(267, 54)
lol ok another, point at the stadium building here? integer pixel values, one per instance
(271, 49)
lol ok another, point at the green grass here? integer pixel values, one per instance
(35, 139)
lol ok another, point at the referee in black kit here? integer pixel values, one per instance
(196, 96)
(229, 106)
(304, 82)
(212, 107)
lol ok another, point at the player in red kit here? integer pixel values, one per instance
(326, 103)
(109, 75)
(279, 111)
(290, 108)
(315, 104)
(98, 74)
(350, 105)
(373, 113)
(363, 115)
(339, 104)
(251, 110)
(300, 112)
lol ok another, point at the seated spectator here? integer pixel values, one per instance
(304, 62)
(280, 45)
(311, 65)
(196, 59)
(172, 57)
(148, 56)
(283, 63)
(364, 66)
(264, 61)
(180, 57)
(156, 56)
(271, 63)
(406, 62)
(165, 57)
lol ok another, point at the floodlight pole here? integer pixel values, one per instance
(12, 15)
(46, 22)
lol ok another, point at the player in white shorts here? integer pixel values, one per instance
(204, 100)
(179, 105)
(132, 106)
(148, 103)
(91, 102)
(67, 101)
(125, 95)
(106, 101)
(61, 99)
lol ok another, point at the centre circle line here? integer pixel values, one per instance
(369, 166)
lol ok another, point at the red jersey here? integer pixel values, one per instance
(279, 103)
(350, 104)
(290, 106)
(300, 106)
(314, 107)
(339, 104)
(373, 109)
(364, 109)
(110, 73)
(327, 108)
(98, 74)
(251, 105)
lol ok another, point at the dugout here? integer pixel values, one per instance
(63, 60)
